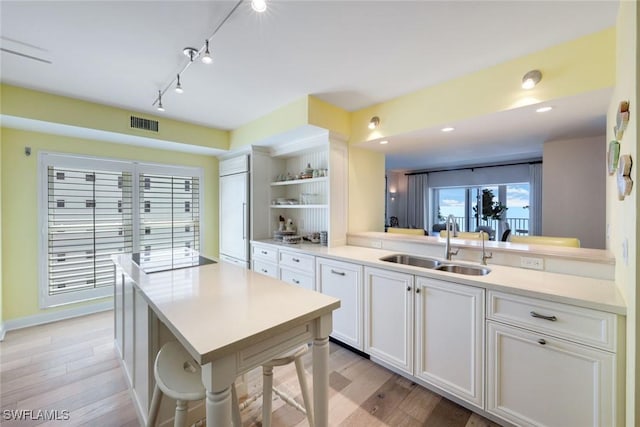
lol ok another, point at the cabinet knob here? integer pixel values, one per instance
(542, 316)
(417, 290)
(409, 288)
(541, 341)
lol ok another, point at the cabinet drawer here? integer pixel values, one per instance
(583, 325)
(297, 278)
(265, 268)
(264, 252)
(298, 261)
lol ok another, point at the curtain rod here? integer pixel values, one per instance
(426, 172)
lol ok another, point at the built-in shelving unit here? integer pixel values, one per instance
(299, 181)
(299, 206)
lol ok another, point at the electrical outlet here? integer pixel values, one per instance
(376, 244)
(533, 263)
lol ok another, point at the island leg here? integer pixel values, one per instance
(321, 371)
(218, 381)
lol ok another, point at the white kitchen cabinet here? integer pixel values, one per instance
(128, 327)
(296, 268)
(118, 309)
(388, 317)
(264, 259)
(538, 380)
(343, 280)
(450, 338)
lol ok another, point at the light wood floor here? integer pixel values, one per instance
(72, 366)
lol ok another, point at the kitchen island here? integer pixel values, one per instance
(229, 319)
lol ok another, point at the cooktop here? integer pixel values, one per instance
(157, 261)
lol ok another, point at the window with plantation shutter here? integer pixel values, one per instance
(169, 212)
(93, 208)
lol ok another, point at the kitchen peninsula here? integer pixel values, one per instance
(229, 319)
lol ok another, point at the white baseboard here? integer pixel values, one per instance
(53, 316)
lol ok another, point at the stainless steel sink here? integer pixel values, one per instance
(412, 260)
(431, 263)
(464, 269)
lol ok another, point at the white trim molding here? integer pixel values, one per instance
(53, 316)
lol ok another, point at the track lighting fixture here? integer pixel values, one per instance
(374, 122)
(206, 57)
(178, 85)
(531, 79)
(203, 53)
(259, 5)
(160, 107)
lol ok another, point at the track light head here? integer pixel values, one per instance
(259, 5)
(160, 107)
(178, 88)
(206, 57)
(374, 122)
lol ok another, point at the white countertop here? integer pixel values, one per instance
(219, 308)
(586, 292)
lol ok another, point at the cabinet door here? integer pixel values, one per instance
(344, 281)
(128, 327)
(234, 239)
(534, 379)
(118, 294)
(450, 338)
(388, 317)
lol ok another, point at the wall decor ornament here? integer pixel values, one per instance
(622, 119)
(625, 183)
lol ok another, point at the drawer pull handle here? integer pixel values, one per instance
(542, 316)
(409, 288)
(417, 290)
(296, 281)
(295, 260)
(264, 271)
(263, 252)
(541, 341)
(339, 273)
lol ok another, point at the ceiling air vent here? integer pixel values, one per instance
(144, 124)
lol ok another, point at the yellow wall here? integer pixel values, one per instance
(622, 216)
(366, 190)
(578, 66)
(19, 204)
(328, 116)
(20, 102)
(1, 241)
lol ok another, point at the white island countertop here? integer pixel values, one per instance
(216, 309)
(599, 294)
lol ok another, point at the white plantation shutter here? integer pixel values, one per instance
(169, 212)
(93, 208)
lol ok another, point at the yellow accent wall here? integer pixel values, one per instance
(328, 116)
(574, 67)
(622, 216)
(366, 190)
(291, 116)
(19, 214)
(21, 102)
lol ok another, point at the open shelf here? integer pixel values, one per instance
(299, 181)
(298, 206)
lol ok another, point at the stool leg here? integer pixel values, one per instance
(302, 379)
(267, 395)
(235, 407)
(181, 414)
(155, 406)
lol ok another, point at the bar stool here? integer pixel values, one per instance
(178, 377)
(267, 385)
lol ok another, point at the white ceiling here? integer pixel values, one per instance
(350, 53)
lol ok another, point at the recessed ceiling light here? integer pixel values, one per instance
(544, 109)
(384, 141)
(448, 129)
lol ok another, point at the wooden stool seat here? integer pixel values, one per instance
(177, 376)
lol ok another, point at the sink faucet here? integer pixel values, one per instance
(451, 225)
(485, 257)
